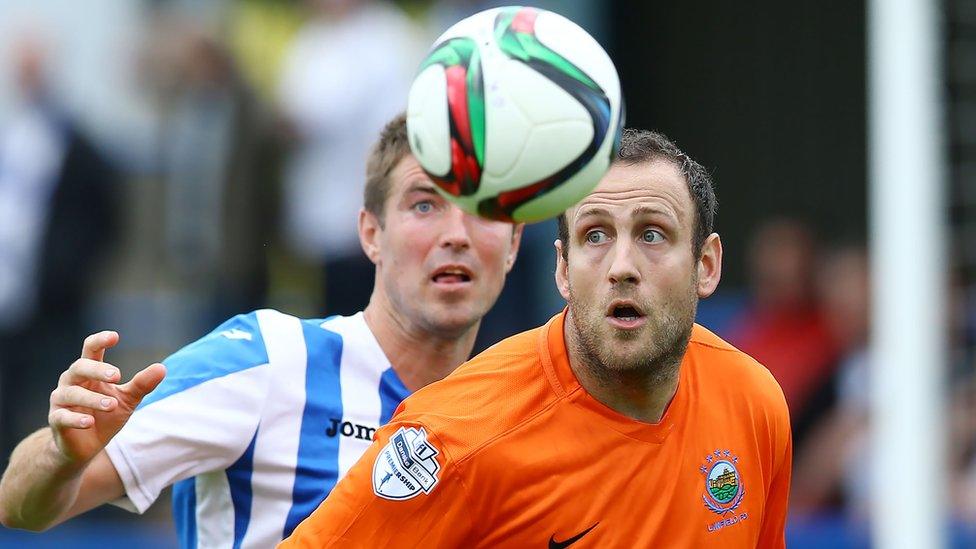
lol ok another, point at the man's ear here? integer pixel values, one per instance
(516, 243)
(710, 265)
(562, 271)
(370, 230)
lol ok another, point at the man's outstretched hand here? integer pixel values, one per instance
(90, 406)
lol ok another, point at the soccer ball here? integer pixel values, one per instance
(515, 113)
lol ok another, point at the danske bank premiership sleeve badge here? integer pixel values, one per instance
(406, 466)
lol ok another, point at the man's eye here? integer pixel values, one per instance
(596, 237)
(424, 206)
(651, 236)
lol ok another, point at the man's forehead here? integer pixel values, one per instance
(638, 187)
(408, 175)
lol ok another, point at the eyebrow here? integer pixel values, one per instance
(425, 188)
(649, 210)
(639, 210)
(591, 212)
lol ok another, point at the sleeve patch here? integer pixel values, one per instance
(406, 466)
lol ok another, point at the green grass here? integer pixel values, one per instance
(725, 493)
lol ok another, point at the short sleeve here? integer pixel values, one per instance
(773, 530)
(200, 418)
(404, 491)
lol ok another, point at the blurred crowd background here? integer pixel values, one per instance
(165, 164)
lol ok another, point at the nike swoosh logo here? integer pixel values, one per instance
(553, 544)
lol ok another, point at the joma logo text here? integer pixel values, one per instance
(349, 429)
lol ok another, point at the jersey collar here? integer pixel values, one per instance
(555, 363)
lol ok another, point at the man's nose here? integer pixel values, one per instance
(623, 267)
(455, 230)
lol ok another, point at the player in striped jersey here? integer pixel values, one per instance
(256, 422)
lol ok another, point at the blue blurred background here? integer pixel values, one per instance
(165, 164)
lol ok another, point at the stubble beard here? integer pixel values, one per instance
(668, 327)
(416, 312)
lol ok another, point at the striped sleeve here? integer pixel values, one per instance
(201, 417)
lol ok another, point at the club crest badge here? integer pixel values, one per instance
(406, 466)
(724, 489)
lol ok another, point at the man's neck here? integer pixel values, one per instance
(642, 394)
(418, 357)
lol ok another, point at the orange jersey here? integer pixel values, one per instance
(511, 451)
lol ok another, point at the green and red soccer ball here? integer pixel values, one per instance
(515, 114)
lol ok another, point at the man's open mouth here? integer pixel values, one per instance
(451, 275)
(625, 311)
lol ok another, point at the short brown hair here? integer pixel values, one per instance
(640, 146)
(390, 148)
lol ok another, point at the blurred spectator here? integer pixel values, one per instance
(219, 160)
(829, 469)
(345, 74)
(58, 217)
(831, 466)
(783, 327)
(962, 401)
(962, 449)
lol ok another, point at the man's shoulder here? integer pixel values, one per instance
(239, 345)
(259, 330)
(486, 397)
(238, 341)
(273, 338)
(701, 335)
(720, 362)
(265, 344)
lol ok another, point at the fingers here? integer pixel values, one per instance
(62, 418)
(85, 369)
(70, 400)
(77, 396)
(145, 381)
(95, 345)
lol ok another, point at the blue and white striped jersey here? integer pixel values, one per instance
(255, 423)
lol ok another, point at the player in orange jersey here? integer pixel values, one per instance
(619, 423)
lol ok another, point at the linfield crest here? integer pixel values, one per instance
(724, 488)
